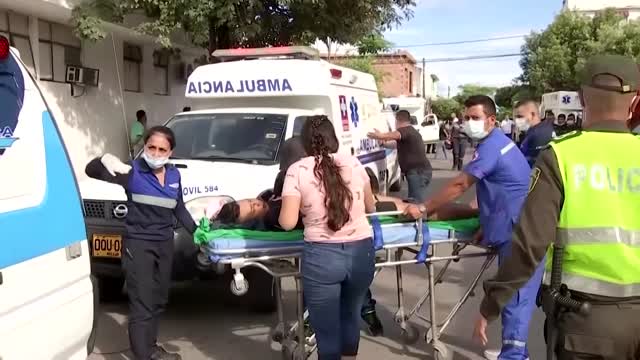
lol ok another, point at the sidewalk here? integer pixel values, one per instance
(442, 166)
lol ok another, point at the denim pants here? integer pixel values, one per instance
(335, 278)
(417, 184)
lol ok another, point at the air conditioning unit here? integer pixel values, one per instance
(78, 75)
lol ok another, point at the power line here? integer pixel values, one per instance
(461, 41)
(477, 57)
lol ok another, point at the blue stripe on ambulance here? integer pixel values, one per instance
(57, 221)
(372, 157)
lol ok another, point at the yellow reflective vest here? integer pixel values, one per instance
(599, 223)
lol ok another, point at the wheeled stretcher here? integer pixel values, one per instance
(278, 253)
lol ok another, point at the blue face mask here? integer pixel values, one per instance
(154, 162)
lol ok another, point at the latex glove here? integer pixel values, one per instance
(114, 165)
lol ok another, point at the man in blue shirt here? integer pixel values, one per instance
(501, 175)
(539, 133)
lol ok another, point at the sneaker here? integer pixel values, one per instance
(375, 326)
(493, 354)
(159, 353)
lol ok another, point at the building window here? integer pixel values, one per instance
(132, 55)
(58, 48)
(15, 27)
(161, 72)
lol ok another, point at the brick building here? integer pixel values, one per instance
(402, 76)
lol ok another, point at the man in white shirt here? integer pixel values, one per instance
(507, 127)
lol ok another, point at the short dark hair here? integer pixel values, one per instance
(527, 102)
(403, 115)
(488, 105)
(373, 180)
(186, 108)
(140, 114)
(549, 112)
(229, 213)
(162, 130)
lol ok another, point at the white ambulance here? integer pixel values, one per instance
(246, 106)
(427, 125)
(561, 102)
(47, 303)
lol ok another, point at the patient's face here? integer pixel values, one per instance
(252, 209)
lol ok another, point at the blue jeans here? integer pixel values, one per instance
(335, 278)
(417, 183)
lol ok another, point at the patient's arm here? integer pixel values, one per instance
(453, 211)
(399, 203)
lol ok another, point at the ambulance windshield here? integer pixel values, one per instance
(232, 136)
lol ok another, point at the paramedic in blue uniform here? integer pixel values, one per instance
(154, 194)
(501, 175)
(538, 133)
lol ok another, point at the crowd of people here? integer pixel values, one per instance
(526, 198)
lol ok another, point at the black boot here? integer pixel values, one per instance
(159, 353)
(375, 326)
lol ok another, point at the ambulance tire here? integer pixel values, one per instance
(110, 288)
(396, 186)
(260, 296)
(91, 342)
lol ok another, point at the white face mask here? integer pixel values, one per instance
(475, 129)
(154, 162)
(522, 123)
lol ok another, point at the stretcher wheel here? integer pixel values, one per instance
(410, 335)
(441, 352)
(239, 288)
(277, 334)
(293, 351)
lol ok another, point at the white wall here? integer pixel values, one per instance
(600, 4)
(94, 123)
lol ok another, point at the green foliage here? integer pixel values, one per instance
(373, 44)
(443, 108)
(553, 59)
(247, 23)
(507, 96)
(473, 89)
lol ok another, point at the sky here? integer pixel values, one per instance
(436, 21)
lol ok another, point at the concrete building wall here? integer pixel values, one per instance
(96, 119)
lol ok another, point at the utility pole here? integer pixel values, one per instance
(424, 72)
(448, 92)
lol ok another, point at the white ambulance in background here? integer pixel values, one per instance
(246, 106)
(427, 125)
(561, 102)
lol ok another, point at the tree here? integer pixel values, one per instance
(553, 59)
(246, 23)
(373, 44)
(473, 89)
(443, 108)
(507, 96)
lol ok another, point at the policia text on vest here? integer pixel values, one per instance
(600, 177)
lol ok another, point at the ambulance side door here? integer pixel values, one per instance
(46, 295)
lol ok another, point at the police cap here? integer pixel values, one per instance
(623, 68)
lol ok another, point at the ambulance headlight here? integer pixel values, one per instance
(208, 206)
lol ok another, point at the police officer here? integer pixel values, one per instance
(587, 199)
(538, 133)
(154, 193)
(501, 175)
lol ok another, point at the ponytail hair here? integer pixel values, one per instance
(320, 141)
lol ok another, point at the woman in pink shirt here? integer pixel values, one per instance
(333, 194)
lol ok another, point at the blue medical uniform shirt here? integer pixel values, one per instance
(502, 174)
(536, 139)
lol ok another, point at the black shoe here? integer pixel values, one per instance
(159, 353)
(375, 326)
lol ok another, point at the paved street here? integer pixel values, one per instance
(199, 326)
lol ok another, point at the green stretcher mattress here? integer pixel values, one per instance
(227, 243)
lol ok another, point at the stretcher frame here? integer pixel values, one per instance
(284, 262)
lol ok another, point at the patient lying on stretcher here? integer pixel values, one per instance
(262, 212)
